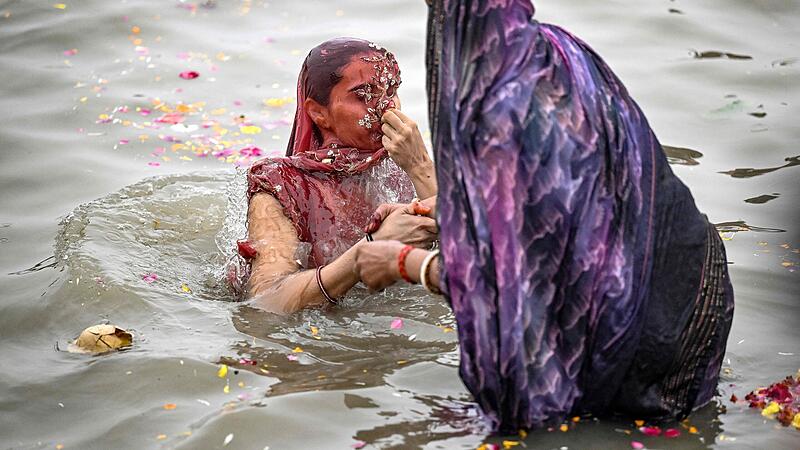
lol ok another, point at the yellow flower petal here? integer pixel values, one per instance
(250, 129)
(771, 409)
(223, 370)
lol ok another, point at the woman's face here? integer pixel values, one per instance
(354, 108)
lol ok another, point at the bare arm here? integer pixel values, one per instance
(277, 284)
(376, 263)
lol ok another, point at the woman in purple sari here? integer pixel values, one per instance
(581, 274)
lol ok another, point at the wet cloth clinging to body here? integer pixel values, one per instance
(582, 276)
(329, 193)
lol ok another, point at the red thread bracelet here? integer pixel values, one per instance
(401, 262)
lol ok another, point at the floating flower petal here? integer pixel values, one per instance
(189, 75)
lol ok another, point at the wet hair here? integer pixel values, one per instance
(322, 69)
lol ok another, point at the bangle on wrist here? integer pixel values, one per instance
(423, 272)
(322, 288)
(401, 262)
(369, 237)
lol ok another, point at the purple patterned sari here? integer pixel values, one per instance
(582, 276)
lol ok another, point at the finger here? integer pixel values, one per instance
(428, 224)
(406, 120)
(378, 216)
(421, 210)
(389, 131)
(386, 141)
(385, 116)
(393, 119)
(410, 208)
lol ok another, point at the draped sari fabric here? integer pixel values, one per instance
(582, 276)
(329, 193)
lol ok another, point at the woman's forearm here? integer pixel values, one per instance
(286, 293)
(423, 177)
(413, 265)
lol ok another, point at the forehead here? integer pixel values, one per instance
(358, 71)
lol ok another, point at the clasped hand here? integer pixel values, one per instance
(411, 224)
(393, 226)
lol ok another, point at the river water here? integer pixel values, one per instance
(121, 197)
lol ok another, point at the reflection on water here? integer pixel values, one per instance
(749, 172)
(740, 225)
(713, 54)
(682, 156)
(785, 62)
(761, 199)
(352, 345)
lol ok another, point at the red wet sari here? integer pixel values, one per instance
(330, 193)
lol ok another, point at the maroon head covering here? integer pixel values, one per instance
(330, 192)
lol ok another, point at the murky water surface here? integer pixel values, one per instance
(120, 198)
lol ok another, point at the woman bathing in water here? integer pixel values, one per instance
(583, 278)
(307, 210)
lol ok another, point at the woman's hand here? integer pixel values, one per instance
(403, 141)
(376, 263)
(405, 223)
(425, 207)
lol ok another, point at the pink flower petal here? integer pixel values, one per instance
(251, 151)
(292, 357)
(672, 433)
(149, 278)
(171, 118)
(359, 444)
(71, 52)
(637, 445)
(153, 164)
(397, 324)
(189, 75)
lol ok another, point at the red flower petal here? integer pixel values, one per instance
(651, 431)
(189, 75)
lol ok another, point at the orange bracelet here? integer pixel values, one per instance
(401, 262)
